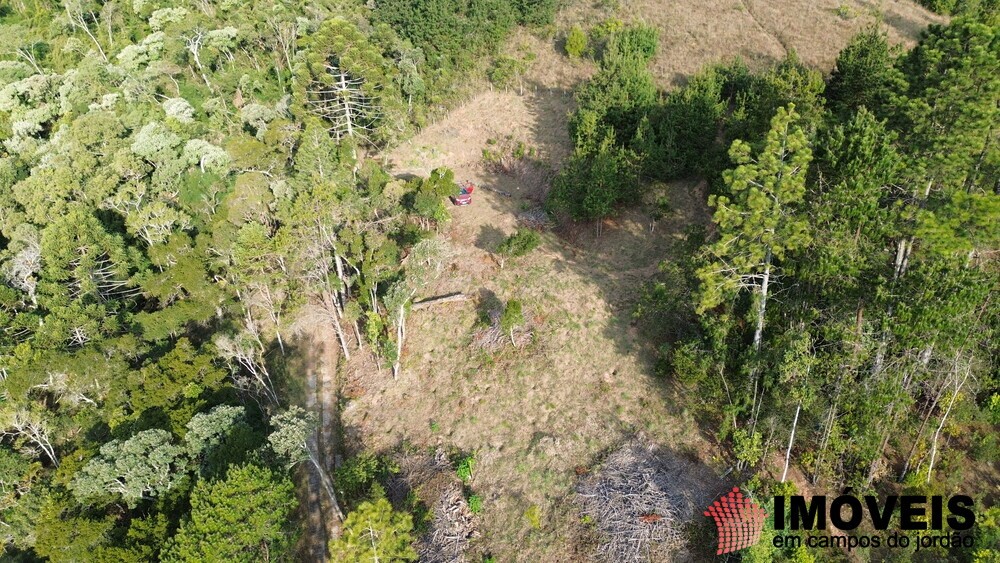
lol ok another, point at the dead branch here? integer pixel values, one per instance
(636, 504)
(493, 337)
(431, 301)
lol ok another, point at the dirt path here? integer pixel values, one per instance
(315, 356)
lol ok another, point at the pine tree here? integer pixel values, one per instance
(375, 532)
(947, 113)
(758, 224)
(864, 74)
(245, 517)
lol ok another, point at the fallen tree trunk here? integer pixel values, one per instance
(451, 297)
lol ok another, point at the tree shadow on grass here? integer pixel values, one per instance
(489, 238)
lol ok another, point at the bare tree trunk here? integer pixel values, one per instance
(357, 334)
(758, 336)
(345, 288)
(920, 432)
(762, 304)
(824, 441)
(77, 20)
(937, 434)
(400, 336)
(791, 439)
(194, 47)
(877, 458)
(21, 423)
(348, 117)
(281, 343)
(326, 481)
(330, 303)
(29, 56)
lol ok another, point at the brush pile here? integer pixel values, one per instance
(636, 505)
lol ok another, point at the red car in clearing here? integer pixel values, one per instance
(464, 196)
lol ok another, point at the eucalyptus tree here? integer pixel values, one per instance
(293, 441)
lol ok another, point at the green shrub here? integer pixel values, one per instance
(985, 446)
(940, 6)
(747, 447)
(678, 138)
(507, 71)
(576, 42)
(615, 100)
(993, 409)
(454, 31)
(520, 243)
(536, 12)
(592, 185)
(513, 316)
(638, 42)
(987, 534)
(690, 363)
(604, 30)
(463, 466)
(422, 516)
(475, 504)
(845, 12)
(356, 476)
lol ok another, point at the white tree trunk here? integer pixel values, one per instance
(944, 418)
(400, 336)
(348, 117)
(330, 302)
(326, 481)
(824, 441)
(791, 439)
(758, 336)
(758, 333)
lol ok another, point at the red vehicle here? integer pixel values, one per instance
(464, 196)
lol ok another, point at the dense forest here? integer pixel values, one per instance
(181, 180)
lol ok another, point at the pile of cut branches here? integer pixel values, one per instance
(535, 218)
(634, 504)
(451, 530)
(492, 337)
(453, 526)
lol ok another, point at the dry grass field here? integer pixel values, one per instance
(693, 34)
(538, 415)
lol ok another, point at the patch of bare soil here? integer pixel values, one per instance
(537, 118)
